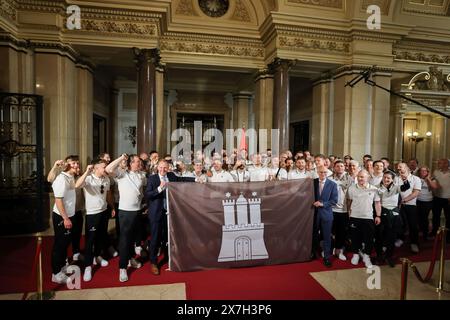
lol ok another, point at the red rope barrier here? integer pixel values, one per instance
(35, 262)
(432, 262)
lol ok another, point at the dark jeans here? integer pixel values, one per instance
(142, 229)
(127, 221)
(411, 217)
(77, 230)
(424, 208)
(96, 238)
(362, 230)
(158, 238)
(62, 240)
(440, 204)
(386, 232)
(340, 228)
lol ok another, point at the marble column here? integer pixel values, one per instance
(113, 123)
(280, 121)
(320, 117)
(263, 104)
(381, 102)
(161, 114)
(57, 79)
(146, 60)
(17, 70)
(241, 106)
(85, 106)
(396, 153)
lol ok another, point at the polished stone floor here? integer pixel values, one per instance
(354, 284)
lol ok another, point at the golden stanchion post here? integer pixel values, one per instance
(404, 284)
(443, 232)
(40, 294)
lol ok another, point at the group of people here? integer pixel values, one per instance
(356, 207)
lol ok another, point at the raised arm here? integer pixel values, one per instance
(82, 179)
(55, 171)
(111, 169)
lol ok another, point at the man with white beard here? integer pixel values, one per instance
(275, 171)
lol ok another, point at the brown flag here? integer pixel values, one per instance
(227, 225)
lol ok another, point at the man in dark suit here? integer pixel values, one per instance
(326, 196)
(157, 208)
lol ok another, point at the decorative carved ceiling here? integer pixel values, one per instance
(238, 10)
(383, 4)
(427, 7)
(337, 4)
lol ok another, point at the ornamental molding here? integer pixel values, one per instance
(8, 9)
(300, 43)
(353, 69)
(43, 6)
(186, 8)
(203, 44)
(421, 52)
(383, 4)
(335, 4)
(121, 28)
(312, 32)
(241, 12)
(434, 10)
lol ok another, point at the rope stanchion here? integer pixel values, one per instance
(432, 262)
(404, 285)
(35, 262)
(441, 236)
(440, 287)
(37, 270)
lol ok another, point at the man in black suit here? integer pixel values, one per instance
(157, 208)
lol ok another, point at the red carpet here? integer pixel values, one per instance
(284, 282)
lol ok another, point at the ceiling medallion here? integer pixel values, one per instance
(214, 8)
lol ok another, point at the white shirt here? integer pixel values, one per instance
(282, 174)
(343, 183)
(425, 194)
(414, 184)
(258, 174)
(240, 175)
(131, 185)
(222, 176)
(362, 201)
(64, 187)
(297, 174)
(388, 199)
(376, 180)
(94, 198)
(444, 182)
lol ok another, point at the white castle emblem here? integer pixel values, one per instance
(242, 239)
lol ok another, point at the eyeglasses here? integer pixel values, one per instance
(102, 189)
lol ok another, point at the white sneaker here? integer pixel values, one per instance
(112, 252)
(87, 276)
(355, 259)
(398, 243)
(77, 256)
(342, 256)
(101, 261)
(60, 277)
(138, 250)
(134, 263)
(323, 254)
(367, 262)
(414, 248)
(123, 276)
